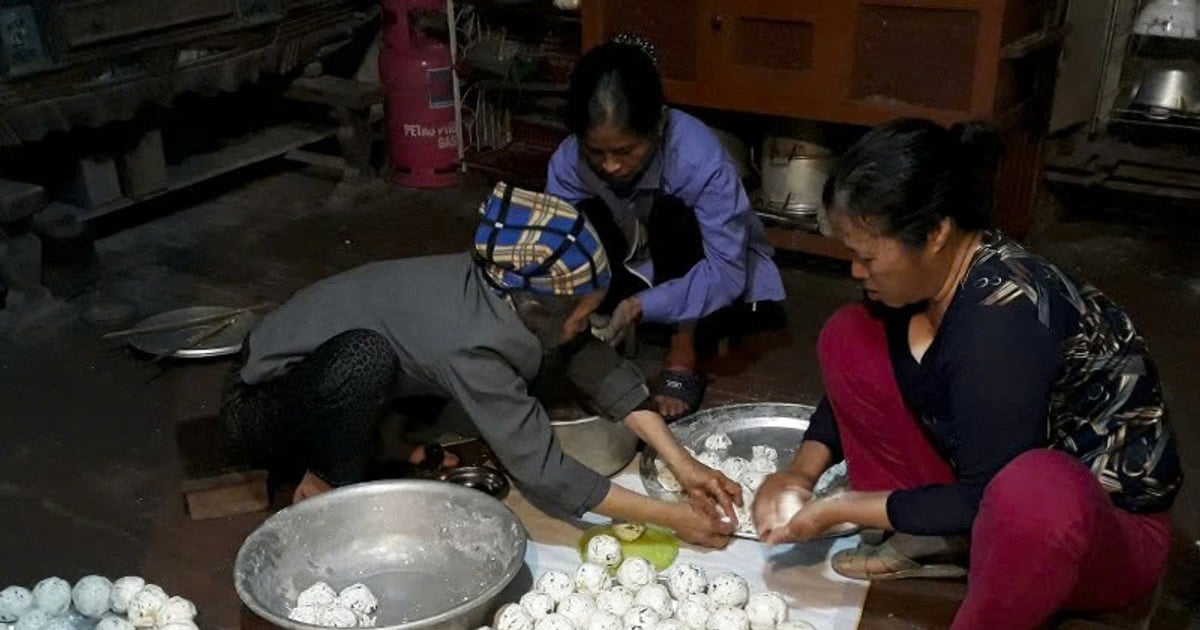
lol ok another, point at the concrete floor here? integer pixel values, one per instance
(89, 473)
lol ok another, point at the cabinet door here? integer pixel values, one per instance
(780, 58)
(673, 25)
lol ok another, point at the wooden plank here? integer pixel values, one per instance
(247, 497)
(806, 242)
(259, 146)
(335, 92)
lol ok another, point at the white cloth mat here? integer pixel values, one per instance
(800, 573)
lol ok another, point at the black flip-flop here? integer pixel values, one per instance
(686, 386)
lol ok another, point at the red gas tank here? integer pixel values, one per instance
(418, 82)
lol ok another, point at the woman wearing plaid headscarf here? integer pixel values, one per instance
(474, 327)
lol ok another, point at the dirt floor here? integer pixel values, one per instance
(89, 472)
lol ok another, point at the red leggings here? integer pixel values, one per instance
(1047, 537)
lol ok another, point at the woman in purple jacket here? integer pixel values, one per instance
(668, 204)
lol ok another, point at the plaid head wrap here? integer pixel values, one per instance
(529, 241)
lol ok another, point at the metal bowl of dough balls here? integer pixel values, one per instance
(435, 555)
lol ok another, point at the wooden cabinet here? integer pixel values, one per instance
(860, 62)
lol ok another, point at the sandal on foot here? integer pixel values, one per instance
(686, 386)
(854, 563)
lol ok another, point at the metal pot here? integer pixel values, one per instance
(793, 176)
(438, 556)
(606, 446)
(1169, 90)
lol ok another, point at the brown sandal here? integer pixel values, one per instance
(855, 563)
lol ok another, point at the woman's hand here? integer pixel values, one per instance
(623, 320)
(703, 483)
(699, 523)
(769, 497)
(810, 522)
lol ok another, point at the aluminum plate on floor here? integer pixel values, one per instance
(223, 342)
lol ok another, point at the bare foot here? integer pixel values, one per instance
(669, 406)
(310, 486)
(417, 457)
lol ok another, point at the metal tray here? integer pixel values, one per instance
(780, 425)
(225, 342)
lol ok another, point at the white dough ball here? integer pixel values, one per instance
(666, 478)
(727, 618)
(14, 602)
(537, 604)
(603, 621)
(604, 550)
(52, 595)
(59, 623)
(176, 609)
(591, 578)
(306, 614)
(717, 442)
(692, 610)
(35, 619)
(319, 594)
(670, 624)
(123, 590)
(359, 598)
(143, 608)
(556, 584)
(764, 452)
(635, 572)
(711, 459)
(485, 628)
(734, 467)
(656, 597)
(615, 601)
(91, 595)
(513, 617)
(788, 504)
(764, 466)
(686, 579)
(365, 620)
(628, 532)
(112, 622)
(553, 622)
(766, 610)
(640, 618)
(578, 608)
(728, 589)
(796, 624)
(184, 625)
(338, 617)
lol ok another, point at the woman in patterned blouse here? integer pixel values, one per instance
(979, 391)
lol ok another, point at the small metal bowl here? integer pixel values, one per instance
(480, 478)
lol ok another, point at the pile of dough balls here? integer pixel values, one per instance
(681, 598)
(320, 605)
(750, 474)
(125, 604)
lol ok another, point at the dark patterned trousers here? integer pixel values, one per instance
(321, 415)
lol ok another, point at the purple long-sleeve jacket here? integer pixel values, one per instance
(692, 166)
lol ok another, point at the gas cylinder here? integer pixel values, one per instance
(418, 80)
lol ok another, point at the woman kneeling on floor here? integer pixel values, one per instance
(979, 391)
(474, 327)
